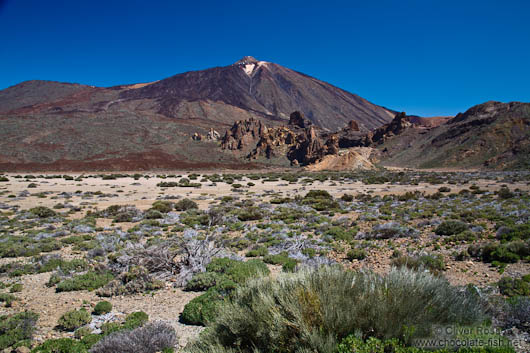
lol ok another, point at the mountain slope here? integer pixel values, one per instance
(61, 126)
(266, 89)
(489, 135)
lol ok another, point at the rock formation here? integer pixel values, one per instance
(243, 135)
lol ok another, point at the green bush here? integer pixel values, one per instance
(61, 345)
(261, 251)
(135, 320)
(17, 328)
(88, 281)
(222, 277)
(451, 227)
(238, 271)
(6, 298)
(347, 197)
(283, 259)
(91, 339)
(356, 254)
(43, 212)
(312, 310)
(202, 309)
(318, 194)
(510, 252)
(103, 307)
(320, 200)
(72, 320)
(505, 193)
(512, 287)
(162, 206)
(203, 281)
(153, 214)
(15, 288)
(186, 204)
(341, 233)
(252, 213)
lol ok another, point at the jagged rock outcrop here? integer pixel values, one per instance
(352, 126)
(300, 141)
(243, 135)
(351, 137)
(297, 119)
(400, 123)
(272, 143)
(212, 135)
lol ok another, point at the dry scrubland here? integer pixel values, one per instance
(264, 262)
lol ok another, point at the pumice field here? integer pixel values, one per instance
(367, 261)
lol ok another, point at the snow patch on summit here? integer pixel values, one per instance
(248, 68)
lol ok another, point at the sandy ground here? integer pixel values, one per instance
(168, 303)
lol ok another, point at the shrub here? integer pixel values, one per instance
(102, 307)
(227, 274)
(356, 254)
(514, 287)
(347, 197)
(517, 313)
(451, 227)
(238, 271)
(341, 233)
(203, 281)
(318, 194)
(43, 212)
(320, 200)
(153, 214)
(283, 259)
(252, 213)
(186, 204)
(8, 299)
(162, 206)
(505, 253)
(505, 193)
(88, 281)
(434, 263)
(515, 232)
(61, 345)
(15, 288)
(310, 310)
(17, 328)
(390, 230)
(72, 320)
(136, 280)
(261, 251)
(152, 338)
(202, 309)
(136, 319)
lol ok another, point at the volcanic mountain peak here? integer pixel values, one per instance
(249, 64)
(246, 60)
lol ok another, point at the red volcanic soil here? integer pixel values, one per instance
(153, 160)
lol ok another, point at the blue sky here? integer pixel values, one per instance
(425, 57)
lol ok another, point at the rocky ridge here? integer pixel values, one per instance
(303, 143)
